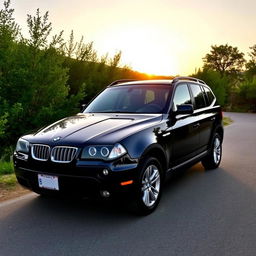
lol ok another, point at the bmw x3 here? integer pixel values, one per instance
(126, 141)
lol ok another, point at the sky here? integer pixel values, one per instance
(163, 37)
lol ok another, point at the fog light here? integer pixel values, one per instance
(105, 193)
(105, 172)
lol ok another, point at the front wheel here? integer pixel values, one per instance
(149, 188)
(212, 161)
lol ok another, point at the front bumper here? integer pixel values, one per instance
(79, 178)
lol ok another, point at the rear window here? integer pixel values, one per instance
(210, 95)
(198, 96)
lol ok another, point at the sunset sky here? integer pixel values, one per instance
(166, 37)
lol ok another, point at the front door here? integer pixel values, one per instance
(184, 132)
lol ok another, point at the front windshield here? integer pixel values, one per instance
(131, 99)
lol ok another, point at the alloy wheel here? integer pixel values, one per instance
(216, 150)
(150, 185)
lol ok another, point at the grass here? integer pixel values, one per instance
(227, 121)
(6, 167)
(8, 180)
(7, 177)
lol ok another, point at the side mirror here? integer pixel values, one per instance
(83, 107)
(184, 109)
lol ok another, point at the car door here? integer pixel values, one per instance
(184, 136)
(204, 113)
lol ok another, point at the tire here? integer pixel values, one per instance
(213, 159)
(149, 189)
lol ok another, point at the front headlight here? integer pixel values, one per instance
(103, 152)
(117, 151)
(22, 146)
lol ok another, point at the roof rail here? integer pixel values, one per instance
(121, 81)
(188, 78)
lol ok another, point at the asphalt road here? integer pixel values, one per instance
(201, 213)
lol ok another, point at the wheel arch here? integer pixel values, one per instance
(219, 129)
(157, 151)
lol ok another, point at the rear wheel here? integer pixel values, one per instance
(149, 188)
(213, 160)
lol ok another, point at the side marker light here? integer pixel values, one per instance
(128, 182)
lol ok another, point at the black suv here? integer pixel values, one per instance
(125, 141)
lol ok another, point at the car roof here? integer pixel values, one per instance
(154, 82)
(144, 82)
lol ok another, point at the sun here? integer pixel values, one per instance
(142, 49)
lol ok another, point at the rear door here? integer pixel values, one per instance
(205, 114)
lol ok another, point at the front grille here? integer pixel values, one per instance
(40, 152)
(63, 154)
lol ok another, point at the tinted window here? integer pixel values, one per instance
(131, 99)
(150, 96)
(181, 95)
(198, 96)
(209, 95)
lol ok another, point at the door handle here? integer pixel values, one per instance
(196, 125)
(213, 118)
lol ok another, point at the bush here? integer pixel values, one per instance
(247, 93)
(6, 167)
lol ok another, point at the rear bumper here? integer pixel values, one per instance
(82, 179)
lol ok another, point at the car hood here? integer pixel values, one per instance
(93, 128)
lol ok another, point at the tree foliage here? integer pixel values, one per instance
(9, 29)
(33, 79)
(247, 92)
(234, 86)
(224, 59)
(251, 64)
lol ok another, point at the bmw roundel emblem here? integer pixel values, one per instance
(56, 138)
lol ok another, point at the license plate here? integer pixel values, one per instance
(48, 182)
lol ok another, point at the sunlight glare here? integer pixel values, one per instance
(142, 49)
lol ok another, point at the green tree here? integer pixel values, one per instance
(3, 121)
(33, 80)
(9, 31)
(87, 70)
(80, 61)
(251, 64)
(247, 92)
(224, 59)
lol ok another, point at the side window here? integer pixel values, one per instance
(181, 95)
(198, 96)
(209, 95)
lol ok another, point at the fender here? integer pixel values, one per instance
(140, 144)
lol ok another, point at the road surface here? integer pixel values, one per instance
(201, 213)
